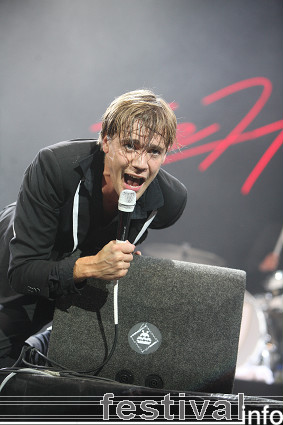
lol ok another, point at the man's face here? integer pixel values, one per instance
(132, 162)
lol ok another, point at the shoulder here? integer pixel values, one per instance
(170, 184)
(59, 165)
(175, 198)
(71, 151)
(66, 157)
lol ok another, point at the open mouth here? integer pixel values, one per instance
(133, 181)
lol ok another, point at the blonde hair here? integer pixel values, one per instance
(153, 114)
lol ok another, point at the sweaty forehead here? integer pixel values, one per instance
(142, 136)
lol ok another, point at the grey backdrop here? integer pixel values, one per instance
(63, 61)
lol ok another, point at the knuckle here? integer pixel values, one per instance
(116, 259)
(114, 248)
(122, 273)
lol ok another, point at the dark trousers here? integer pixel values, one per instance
(20, 319)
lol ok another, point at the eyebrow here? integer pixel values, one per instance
(137, 142)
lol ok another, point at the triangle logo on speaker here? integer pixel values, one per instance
(144, 338)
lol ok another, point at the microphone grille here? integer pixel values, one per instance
(127, 200)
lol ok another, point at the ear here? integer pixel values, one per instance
(105, 144)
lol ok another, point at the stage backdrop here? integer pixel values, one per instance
(219, 64)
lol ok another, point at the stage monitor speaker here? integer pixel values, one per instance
(179, 326)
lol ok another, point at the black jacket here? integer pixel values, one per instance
(44, 240)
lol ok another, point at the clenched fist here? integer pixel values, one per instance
(111, 263)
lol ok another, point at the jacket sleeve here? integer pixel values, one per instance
(32, 269)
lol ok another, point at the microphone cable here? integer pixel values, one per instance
(126, 205)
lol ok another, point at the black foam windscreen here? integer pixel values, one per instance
(179, 326)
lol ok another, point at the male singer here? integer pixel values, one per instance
(63, 227)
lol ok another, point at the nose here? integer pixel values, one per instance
(140, 160)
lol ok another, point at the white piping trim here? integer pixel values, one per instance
(116, 283)
(145, 226)
(76, 216)
(14, 232)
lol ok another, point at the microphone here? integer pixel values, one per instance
(126, 205)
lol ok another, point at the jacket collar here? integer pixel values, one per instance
(92, 169)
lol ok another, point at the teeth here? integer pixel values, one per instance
(132, 180)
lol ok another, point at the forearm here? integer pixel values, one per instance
(34, 268)
(49, 279)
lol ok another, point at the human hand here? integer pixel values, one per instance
(111, 263)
